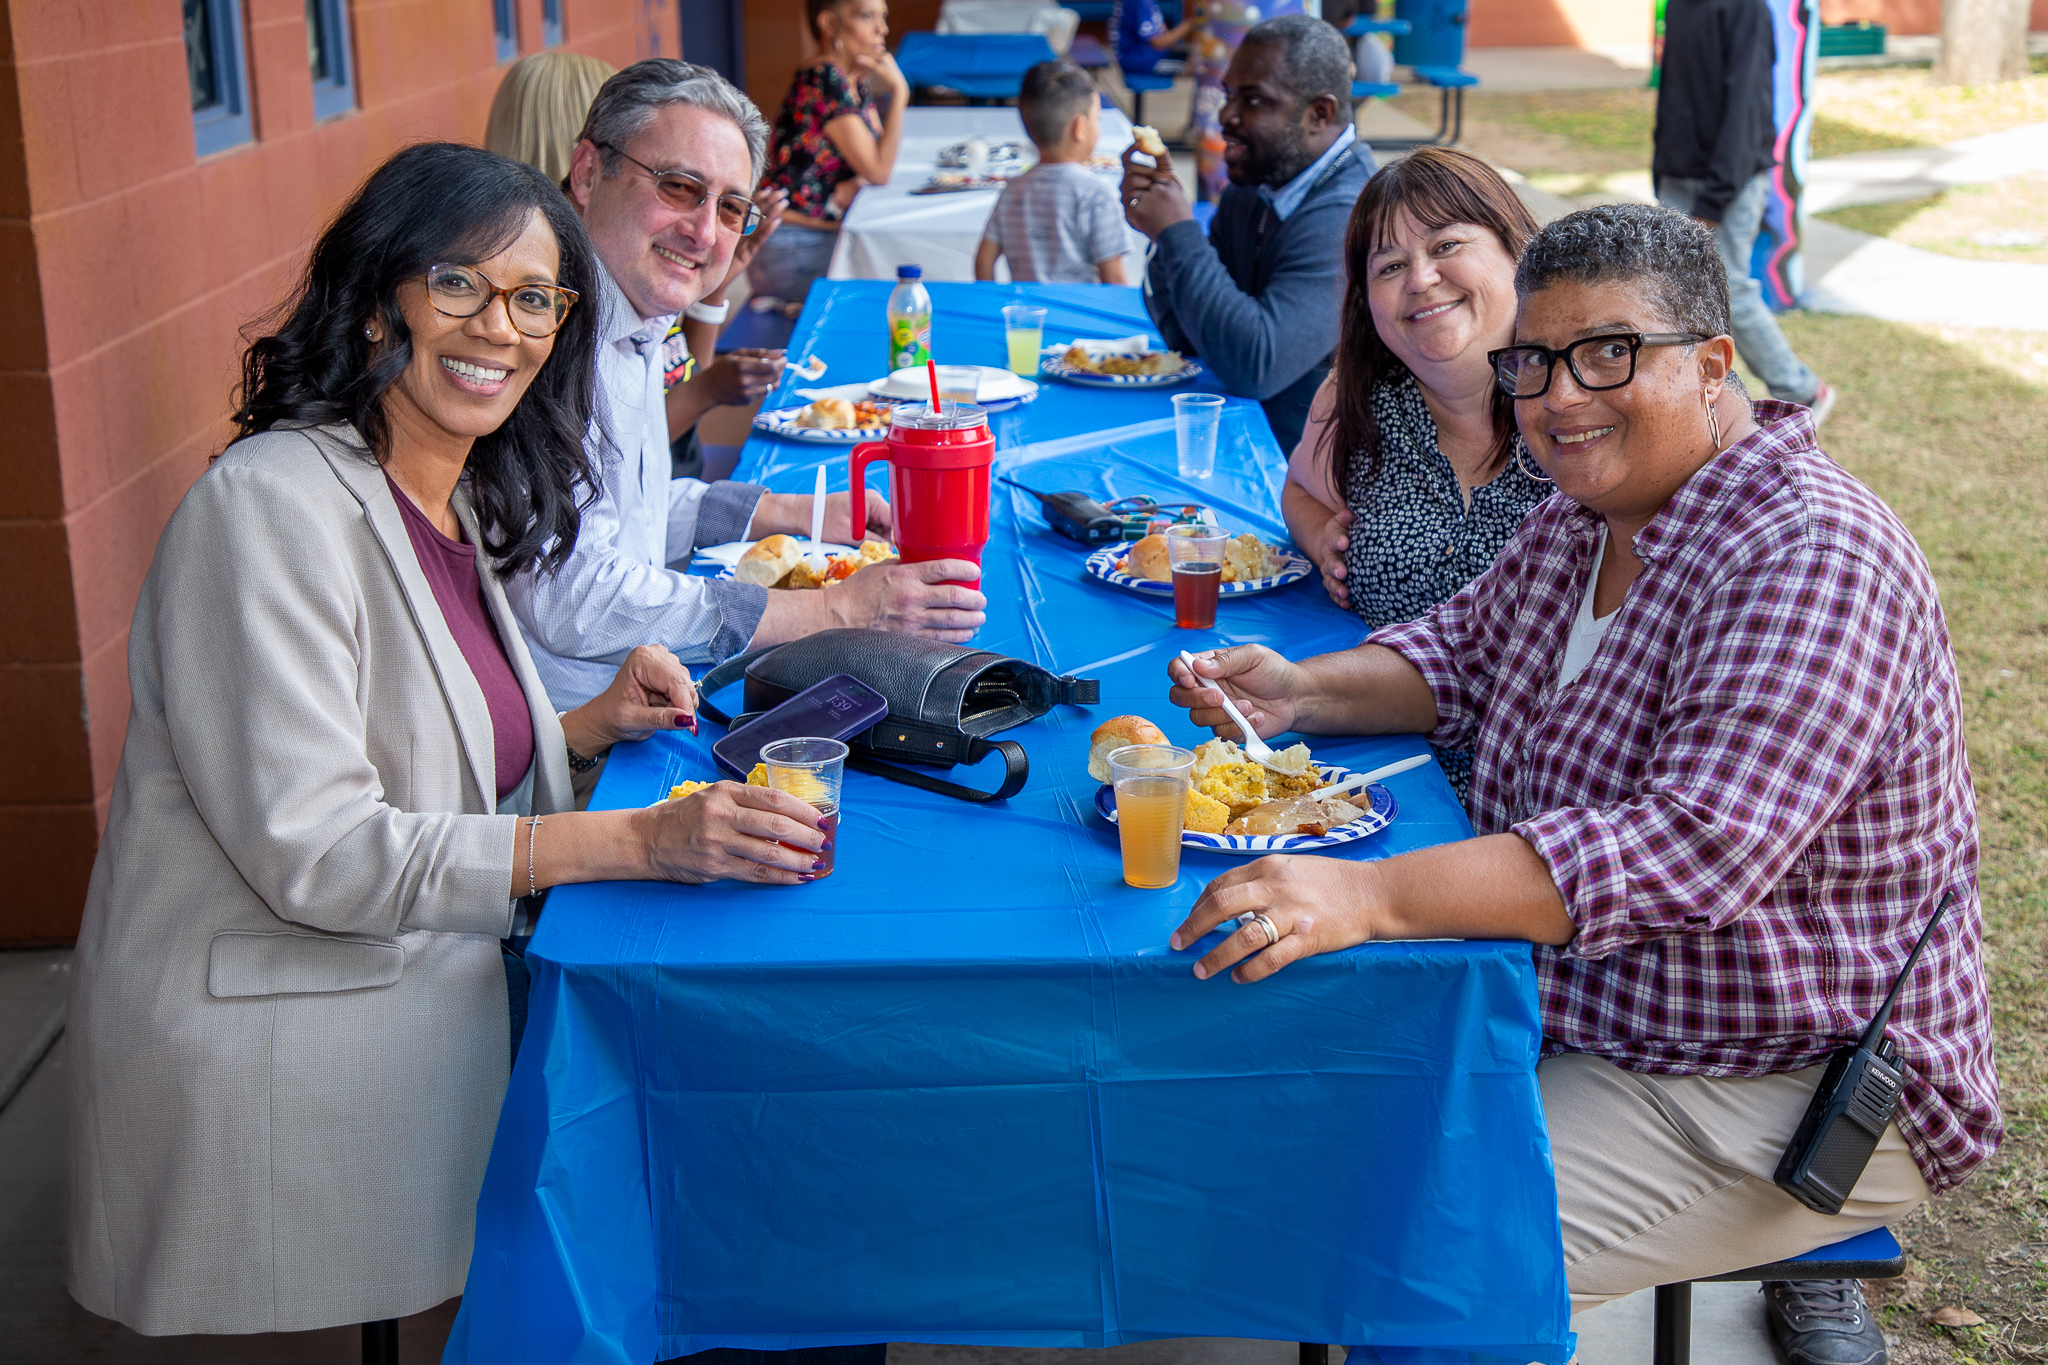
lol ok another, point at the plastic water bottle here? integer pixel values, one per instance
(910, 319)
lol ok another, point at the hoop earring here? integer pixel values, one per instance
(1713, 422)
(1538, 475)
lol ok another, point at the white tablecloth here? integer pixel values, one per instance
(1010, 16)
(888, 226)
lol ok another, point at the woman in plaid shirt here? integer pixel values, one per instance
(1720, 784)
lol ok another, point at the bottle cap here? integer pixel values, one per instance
(909, 272)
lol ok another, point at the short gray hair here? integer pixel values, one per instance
(1315, 59)
(1671, 257)
(627, 103)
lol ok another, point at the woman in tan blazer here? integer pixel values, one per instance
(290, 1030)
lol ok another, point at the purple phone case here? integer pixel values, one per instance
(745, 742)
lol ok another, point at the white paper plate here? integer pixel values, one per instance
(1377, 817)
(994, 385)
(1067, 374)
(782, 422)
(727, 556)
(1102, 564)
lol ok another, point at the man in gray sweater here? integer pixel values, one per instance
(1257, 299)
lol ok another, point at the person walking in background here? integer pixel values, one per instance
(1059, 222)
(1716, 146)
(1256, 297)
(830, 139)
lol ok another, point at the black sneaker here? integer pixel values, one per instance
(1823, 1322)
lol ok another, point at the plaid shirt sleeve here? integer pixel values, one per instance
(1783, 698)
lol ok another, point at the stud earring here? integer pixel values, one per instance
(370, 333)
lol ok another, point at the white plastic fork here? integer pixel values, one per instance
(1255, 748)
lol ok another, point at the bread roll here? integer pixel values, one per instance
(767, 561)
(1114, 734)
(1148, 141)
(1147, 559)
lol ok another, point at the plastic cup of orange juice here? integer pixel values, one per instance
(812, 771)
(1151, 782)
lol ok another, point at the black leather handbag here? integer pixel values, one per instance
(944, 701)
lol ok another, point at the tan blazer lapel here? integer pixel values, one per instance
(363, 477)
(551, 791)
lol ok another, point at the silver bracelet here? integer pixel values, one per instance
(532, 887)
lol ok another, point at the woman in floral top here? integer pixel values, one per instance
(829, 140)
(1410, 477)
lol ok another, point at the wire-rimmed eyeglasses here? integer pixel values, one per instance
(682, 190)
(1601, 362)
(463, 291)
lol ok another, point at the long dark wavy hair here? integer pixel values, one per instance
(1437, 187)
(435, 202)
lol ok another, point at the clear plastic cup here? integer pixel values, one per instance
(1195, 554)
(812, 771)
(1024, 332)
(1151, 782)
(1196, 419)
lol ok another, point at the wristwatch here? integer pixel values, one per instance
(708, 312)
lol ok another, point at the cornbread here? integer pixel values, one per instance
(1240, 786)
(1206, 815)
(758, 777)
(682, 789)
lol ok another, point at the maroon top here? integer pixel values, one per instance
(450, 567)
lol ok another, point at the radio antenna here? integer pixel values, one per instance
(1875, 1033)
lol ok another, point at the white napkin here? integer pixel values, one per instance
(1136, 345)
(852, 393)
(728, 554)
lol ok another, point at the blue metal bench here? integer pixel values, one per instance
(1873, 1255)
(1451, 123)
(988, 66)
(1091, 11)
(1138, 85)
(1365, 90)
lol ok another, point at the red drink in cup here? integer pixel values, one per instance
(1196, 556)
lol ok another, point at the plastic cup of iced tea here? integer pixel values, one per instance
(1151, 782)
(811, 770)
(1195, 554)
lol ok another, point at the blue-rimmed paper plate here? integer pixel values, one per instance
(782, 422)
(1053, 367)
(1376, 818)
(1102, 564)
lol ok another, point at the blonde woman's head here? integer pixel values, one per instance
(540, 108)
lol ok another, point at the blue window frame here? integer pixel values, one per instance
(506, 23)
(551, 23)
(220, 80)
(334, 81)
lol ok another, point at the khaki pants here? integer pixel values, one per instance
(1668, 1178)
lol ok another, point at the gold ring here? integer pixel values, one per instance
(1260, 918)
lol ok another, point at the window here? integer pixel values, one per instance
(507, 27)
(551, 23)
(334, 86)
(213, 59)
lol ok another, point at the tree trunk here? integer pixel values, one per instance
(1982, 41)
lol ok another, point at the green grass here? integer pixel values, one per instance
(1952, 222)
(1949, 427)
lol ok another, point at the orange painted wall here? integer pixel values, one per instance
(1559, 23)
(1908, 16)
(128, 267)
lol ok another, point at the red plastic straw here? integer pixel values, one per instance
(932, 368)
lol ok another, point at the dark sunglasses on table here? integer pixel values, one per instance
(681, 190)
(1602, 362)
(463, 291)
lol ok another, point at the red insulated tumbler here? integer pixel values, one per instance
(938, 479)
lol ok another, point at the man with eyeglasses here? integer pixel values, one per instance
(664, 178)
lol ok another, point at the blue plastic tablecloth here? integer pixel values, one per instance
(979, 65)
(961, 1091)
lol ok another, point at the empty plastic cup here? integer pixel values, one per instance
(1196, 418)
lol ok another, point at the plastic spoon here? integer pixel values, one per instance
(1255, 748)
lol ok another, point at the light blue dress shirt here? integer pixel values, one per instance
(624, 584)
(1288, 197)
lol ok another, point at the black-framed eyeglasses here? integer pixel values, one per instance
(681, 190)
(1602, 362)
(463, 291)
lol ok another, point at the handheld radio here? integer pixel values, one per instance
(1850, 1108)
(1079, 517)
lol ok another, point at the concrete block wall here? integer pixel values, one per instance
(128, 267)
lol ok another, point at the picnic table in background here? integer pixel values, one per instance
(961, 1091)
(889, 225)
(980, 66)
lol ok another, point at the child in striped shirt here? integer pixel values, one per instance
(1059, 222)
